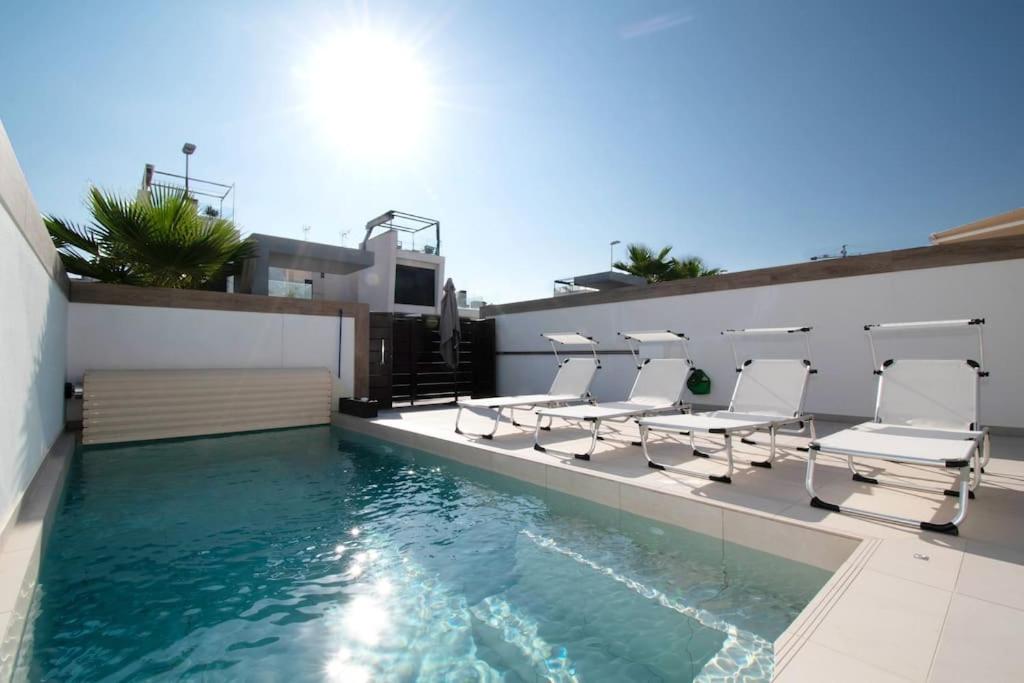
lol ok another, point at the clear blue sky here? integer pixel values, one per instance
(749, 133)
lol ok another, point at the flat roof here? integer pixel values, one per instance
(608, 279)
(283, 252)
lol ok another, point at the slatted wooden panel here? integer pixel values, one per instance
(137, 405)
(418, 372)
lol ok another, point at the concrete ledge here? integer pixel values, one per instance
(21, 547)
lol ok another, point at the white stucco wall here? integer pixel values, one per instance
(376, 285)
(111, 337)
(33, 320)
(837, 309)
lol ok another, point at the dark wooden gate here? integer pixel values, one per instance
(381, 333)
(406, 365)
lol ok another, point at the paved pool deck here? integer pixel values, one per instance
(903, 604)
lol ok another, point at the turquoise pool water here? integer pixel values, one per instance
(315, 554)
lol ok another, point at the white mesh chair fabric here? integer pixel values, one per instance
(874, 440)
(569, 338)
(721, 421)
(660, 382)
(523, 400)
(771, 387)
(574, 377)
(655, 337)
(604, 411)
(658, 387)
(769, 394)
(571, 384)
(926, 413)
(928, 393)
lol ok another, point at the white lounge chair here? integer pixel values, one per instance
(571, 385)
(926, 413)
(768, 396)
(658, 388)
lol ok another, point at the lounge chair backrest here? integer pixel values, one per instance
(660, 381)
(574, 377)
(771, 386)
(941, 394)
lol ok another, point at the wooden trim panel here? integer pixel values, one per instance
(159, 297)
(938, 256)
(126, 295)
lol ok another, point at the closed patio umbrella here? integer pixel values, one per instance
(451, 334)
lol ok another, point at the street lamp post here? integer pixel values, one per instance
(187, 149)
(611, 258)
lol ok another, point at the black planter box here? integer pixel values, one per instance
(350, 406)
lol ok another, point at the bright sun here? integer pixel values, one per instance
(368, 93)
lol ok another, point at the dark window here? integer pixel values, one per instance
(415, 286)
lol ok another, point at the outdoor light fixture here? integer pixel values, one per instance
(611, 249)
(187, 149)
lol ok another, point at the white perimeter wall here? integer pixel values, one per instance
(33, 320)
(111, 337)
(837, 309)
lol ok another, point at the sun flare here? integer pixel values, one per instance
(367, 92)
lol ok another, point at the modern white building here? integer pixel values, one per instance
(391, 271)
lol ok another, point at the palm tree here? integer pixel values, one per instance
(692, 266)
(644, 263)
(659, 267)
(162, 242)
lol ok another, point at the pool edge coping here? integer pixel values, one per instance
(22, 543)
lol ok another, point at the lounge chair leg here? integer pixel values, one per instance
(488, 435)
(810, 424)
(812, 454)
(595, 427)
(857, 476)
(458, 416)
(771, 451)
(727, 479)
(593, 442)
(536, 437)
(644, 432)
(645, 437)
(951, 527)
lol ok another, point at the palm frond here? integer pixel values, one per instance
(160, 242)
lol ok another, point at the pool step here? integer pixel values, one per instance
(515, 631)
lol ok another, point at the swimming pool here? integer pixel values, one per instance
(317, 554)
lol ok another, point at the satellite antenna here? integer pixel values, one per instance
(343, 234)
(843, 253)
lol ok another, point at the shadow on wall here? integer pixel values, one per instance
(32, 372)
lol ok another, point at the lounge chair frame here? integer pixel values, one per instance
(500, 404)
(593, 423)
(933, 429)
(738, 420)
